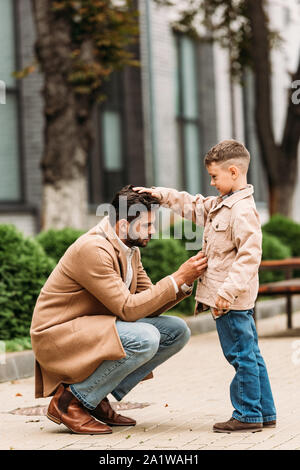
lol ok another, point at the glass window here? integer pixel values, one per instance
(107, 171)
(9, 146)
(7, 54)
(9, 155)
(111, 129)
(187, 110)
(189, 78)
(192, 160)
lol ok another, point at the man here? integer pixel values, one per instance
(96, 326)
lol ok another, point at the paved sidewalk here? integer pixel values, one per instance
(188, 394)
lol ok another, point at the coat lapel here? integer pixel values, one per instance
(106, 230)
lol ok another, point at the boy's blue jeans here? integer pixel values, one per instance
(148, 342)
(250, 389)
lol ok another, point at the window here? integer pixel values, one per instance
(10, 186)
(187, 110)
(106, 164)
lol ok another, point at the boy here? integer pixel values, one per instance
(232, 243)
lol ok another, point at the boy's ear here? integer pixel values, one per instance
(234, 171)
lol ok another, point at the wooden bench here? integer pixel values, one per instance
(286, 288)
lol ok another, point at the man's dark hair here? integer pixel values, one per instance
(142, 201)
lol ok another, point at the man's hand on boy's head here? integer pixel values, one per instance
(222, 306)
(152, 191)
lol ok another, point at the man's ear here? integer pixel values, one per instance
(123, 227)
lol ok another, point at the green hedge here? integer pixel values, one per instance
(286, 230)
(56, 242)
(163, 257)
(24, 268)
(273, 248)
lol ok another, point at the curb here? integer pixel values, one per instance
(19, 365)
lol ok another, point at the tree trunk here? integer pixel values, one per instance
(280, 161)
(67, 126)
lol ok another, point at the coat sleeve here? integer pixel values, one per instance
(190, 207)
(247, 235)
(96, 273)
(180, 296)
(144, 282)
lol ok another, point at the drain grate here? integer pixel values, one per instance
(40, 410)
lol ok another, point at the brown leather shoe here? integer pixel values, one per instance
(104, 412)
(65, 408)
(269, 424)
(233, 425)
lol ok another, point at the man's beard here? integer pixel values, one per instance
(140, 242)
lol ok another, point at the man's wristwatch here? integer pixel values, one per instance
(185, 288)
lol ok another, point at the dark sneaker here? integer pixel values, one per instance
(233, 425)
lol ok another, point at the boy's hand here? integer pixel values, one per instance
(222, 306)
(141, 189)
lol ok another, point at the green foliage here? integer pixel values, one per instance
(286, 230)
(163, 257)
(106, 28)
(273, 248)
(24, 268)
(18, 344)
(56, 242)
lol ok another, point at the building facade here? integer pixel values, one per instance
(158, 121)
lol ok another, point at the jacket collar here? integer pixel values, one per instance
(105, 229)
(235, 197)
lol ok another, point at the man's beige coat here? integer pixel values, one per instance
(73, 326)
(232, 242)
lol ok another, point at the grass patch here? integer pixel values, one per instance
(17, 344)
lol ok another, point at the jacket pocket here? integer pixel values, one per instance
(220, 225)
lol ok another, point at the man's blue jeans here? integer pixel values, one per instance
(250, 390)
(148, 342)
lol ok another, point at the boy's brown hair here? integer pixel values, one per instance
(228, 150)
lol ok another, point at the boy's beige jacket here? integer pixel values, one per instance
(73, 326)
(232, 242)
